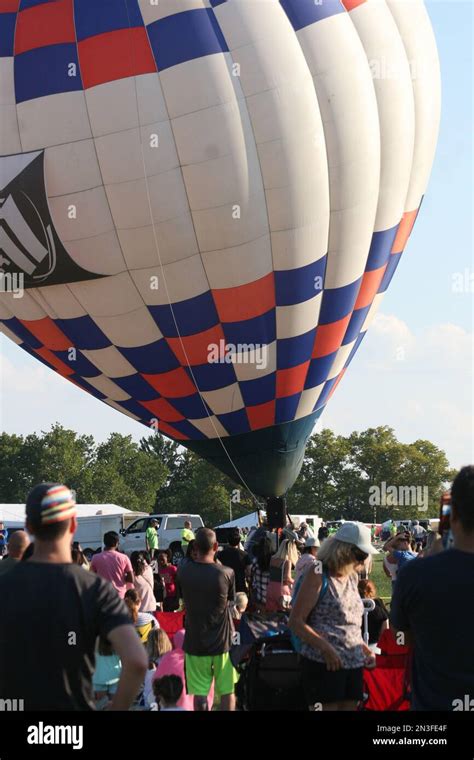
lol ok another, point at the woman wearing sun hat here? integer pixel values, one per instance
(327, 616)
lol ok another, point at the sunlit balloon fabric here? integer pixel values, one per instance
(188, 174)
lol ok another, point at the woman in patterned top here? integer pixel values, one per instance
(327, 617)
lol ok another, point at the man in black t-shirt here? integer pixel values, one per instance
(432, 605)
(207, 588)
(52, 612)
(237, 559)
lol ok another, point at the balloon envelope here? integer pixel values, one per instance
(205, 202)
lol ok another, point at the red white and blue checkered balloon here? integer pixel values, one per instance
(206, 200)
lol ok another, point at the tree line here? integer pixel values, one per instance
(368, 476)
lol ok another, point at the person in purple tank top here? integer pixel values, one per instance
(327, 617)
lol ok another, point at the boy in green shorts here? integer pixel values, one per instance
(207, 589)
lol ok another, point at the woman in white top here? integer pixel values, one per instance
(143, 582)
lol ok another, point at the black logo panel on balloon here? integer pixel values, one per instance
(29, 243)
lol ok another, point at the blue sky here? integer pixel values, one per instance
(441, 243)
(414, 369)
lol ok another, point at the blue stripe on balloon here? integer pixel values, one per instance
(297, 285)
(355, 325)
(285, 408)
(191, 407)
(79, 364)
(380, 248)
(94, 17)
(212, 377)
(258, 391)
(389, 272)
(83, 333)
(136, 387)
(319, 370)
(185, 36)
(44, 71)
(185, 427)
(294, 351)
(134, 407)
(22, 332)
(302, 13)
(338, 302)
(323, 396)
(151, 359)
(354, 349)
(258, 331)
(24, 4)
(163, 316)
(194, 315)
(7, 34)
(235, 422)
(87, 387)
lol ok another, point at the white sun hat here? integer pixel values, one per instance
(357, 534)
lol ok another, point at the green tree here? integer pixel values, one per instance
(370, 475)
(376, 457)
(13, 480)
(340, 477)
(193, 485)
(58, 455)
(124, 474)
(316, 490)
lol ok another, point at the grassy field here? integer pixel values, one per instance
(382, 583)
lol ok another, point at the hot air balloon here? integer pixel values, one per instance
(205, 202)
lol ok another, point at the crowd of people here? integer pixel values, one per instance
(93, 638)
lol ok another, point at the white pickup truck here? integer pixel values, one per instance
(169, 533)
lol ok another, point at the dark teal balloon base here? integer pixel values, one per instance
(265, 461)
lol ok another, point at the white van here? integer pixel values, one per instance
(169, 533)
(90, 531)
(93, 520)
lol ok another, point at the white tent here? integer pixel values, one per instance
(247, 521)
(14, 514)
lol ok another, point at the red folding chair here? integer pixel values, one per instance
(387, 685)
(170, 622)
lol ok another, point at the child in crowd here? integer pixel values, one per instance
(108, 668)
(377, 619)
(144, 622)
(157, 645)
(239, 605)
(168, 691)
(168, 573)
